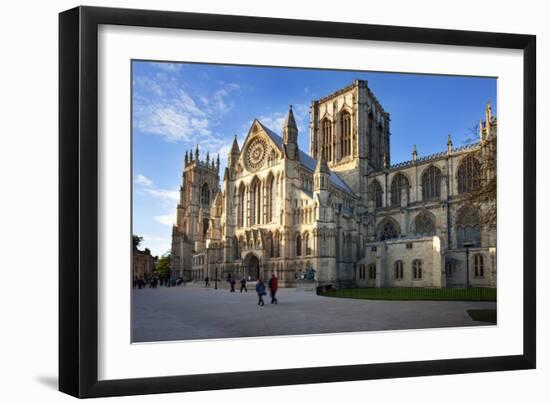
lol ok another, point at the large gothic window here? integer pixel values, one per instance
(205, 195)
(270, 197)
(255, 202)
(345, 124)
(241, 207)
(388, 230)
(327, 140)
(468, 229)
(468, 175)
(424, 224)
(376, 194)
(431, 183)
(399, 189)
(298, 245)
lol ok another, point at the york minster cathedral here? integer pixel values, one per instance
(340, 215)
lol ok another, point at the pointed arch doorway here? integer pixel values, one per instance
(252, 267)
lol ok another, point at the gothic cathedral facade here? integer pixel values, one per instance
(339, 215)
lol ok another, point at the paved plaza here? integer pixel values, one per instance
(195, 312)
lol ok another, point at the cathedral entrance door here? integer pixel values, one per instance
(253, 267)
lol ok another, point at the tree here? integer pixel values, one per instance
(163, 266)
(484, 197)
(136, 240)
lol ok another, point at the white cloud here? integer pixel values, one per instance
(143, 180)
(167, 220)
(165, 107)
(166, 195)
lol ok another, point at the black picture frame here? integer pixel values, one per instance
(78, 201)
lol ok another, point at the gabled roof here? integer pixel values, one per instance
(307, 161)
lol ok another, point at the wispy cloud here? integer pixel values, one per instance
(143, 180)
(166, 195)
(165, 106)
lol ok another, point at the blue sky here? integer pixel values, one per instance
(177, 106)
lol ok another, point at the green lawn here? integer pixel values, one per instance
(473, 294)
(487, 316)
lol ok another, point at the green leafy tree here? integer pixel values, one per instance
(163, 266)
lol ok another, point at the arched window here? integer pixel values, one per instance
(376, 194)
(417, 269)
(468, 228)
(327, 140)
(398, 267)
(478, 265)
(270, 199)
(424, 224)
(205, 195)
(345, 124)
(399, 188)
(388, 230)
(372, 271)
(307, 244)
(431, 183)
(468, 175)
(255, 201)
(298, 245)
(240, 206)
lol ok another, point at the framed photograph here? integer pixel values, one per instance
(250, 201)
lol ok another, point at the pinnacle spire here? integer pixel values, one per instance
(235, 145)
(290, 122)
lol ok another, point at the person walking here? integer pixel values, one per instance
(273, 286)
(232, 284)
(243, 285)
(260, 289)
(206, 282)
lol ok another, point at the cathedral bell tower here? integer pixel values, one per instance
(290, 136)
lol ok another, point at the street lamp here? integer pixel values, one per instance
(468, 245)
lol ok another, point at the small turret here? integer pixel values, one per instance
(233, 153)
(218, 162)
(186, 158)
(415, 154)
(449, 145)
(321, 176)
(207, 158)
(290, 135)
(197, 153)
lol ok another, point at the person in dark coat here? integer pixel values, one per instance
(232, 284)
(273, 286)
(243, 285)
(260, 290)
(206, 282)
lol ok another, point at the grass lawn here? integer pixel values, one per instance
(487, 316)
(473, 294)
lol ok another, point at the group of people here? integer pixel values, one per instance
(157, 281)
(273, 285)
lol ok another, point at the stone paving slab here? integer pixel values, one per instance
(195, 312)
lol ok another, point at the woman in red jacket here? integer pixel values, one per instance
(273, 285)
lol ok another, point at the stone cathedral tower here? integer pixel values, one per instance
(200, 185)
(349, 129)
